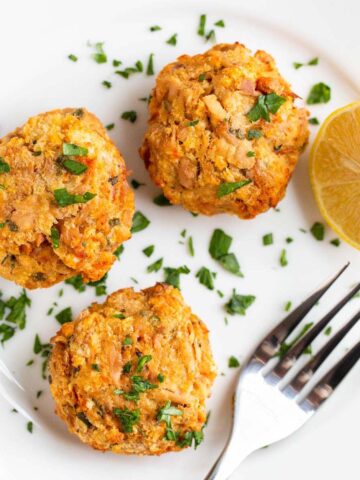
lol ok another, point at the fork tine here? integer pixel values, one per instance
(306, 373)
(270, 344)
(331, 380)
(290, 357)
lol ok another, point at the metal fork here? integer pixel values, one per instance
(268, 407)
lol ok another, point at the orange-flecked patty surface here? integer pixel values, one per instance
(65, 205)
(132, 375)
(201, 135)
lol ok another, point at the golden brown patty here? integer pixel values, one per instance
(43, 241)
(132, 375)
(200, 135)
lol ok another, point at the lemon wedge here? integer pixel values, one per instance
(335, 172)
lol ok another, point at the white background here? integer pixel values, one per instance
(35, 39)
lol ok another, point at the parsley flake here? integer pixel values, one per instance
(130, 115)
(230, 187)
(64, 198)
(172, 40)
(239, 303)
(265, 104)
(318, 231)
(206, 278)
(319, 93)
(139, 222)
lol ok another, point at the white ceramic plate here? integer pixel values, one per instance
(36, 76)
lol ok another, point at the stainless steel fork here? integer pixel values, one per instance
(268, 407)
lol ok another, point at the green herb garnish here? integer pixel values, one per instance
(4, 167)
(193, 123)
(314, 121)
(127, 341)
(313, 61)
(233, 362)
(202, 24)
(73, 166)
(285, 347)
(172, 275)
(29, 427)
(110, 126)
(64, 316)
(250, 153)
(55, 237)
(150, 65)
(73, 150)
(139, 222)
(142, 362)
(155, 267)
(265, 104)
(128, 418)
(130, 115)
(76, 282)
(106, 84)
(148, 251)
(288, 306)
(319, 93)
(160, 377)
(220, 23)
(172, 40)
(154, 28)
(135, 184)
(73, 57)
(206, 277)
(252, 134)
(99, 56)
(268, 239)
(328, 330)
(119, 251)
(64, 198)
(191, 246)
(202, 77)
(95, 366)
(219, 250)
(318, 231)
(335, 242)
(161, 200)
(283, 258)
(230, 187)
(239, 303)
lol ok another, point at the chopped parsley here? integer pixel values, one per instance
(285, 347)
(219, 250)
(312, 62)
(202, 77)
(155, 28)
(100, 285)
(164, 415)
(210, 36)
(335, 242)
(318, 231)
(128, 418)
(110, 126)
(206, 277)
(127, 341)
(191, 246)
(127, 367)
(29, 427)
(328, 330)
(99, 55)
(265, 104)
(172, 275)
(220, 23)
(230, 187)
(138, 68)
(64, 198)
(155, 267)
(130, 115)
(116, 62)
(268, 239)
(55, 237)
(148, 251)
(172, 40)
(64, 316)
(287, 307)
(319, 93)
(4, 166)
(283, 258)
(142, 362)
(202, 25)
(42, 349)
(106, 84)
(17, 307)
(233, 362)
(119, 251)
(139, 222)
(121, 316)
(150, 65)
(74, 150)
(72, 57)
(191, 437)
(76, 282)
(95, 366)
(253, 134)
(314, 121)
(250, 153)
(289, 240)
(72, 166)
(135, 184)
(161, 200)
(193, 123)
(239, 303)
(161, 377)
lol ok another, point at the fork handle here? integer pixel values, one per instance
(228, 461)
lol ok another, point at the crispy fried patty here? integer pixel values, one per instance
(201, 137)
(132, 375)
(65, 205)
